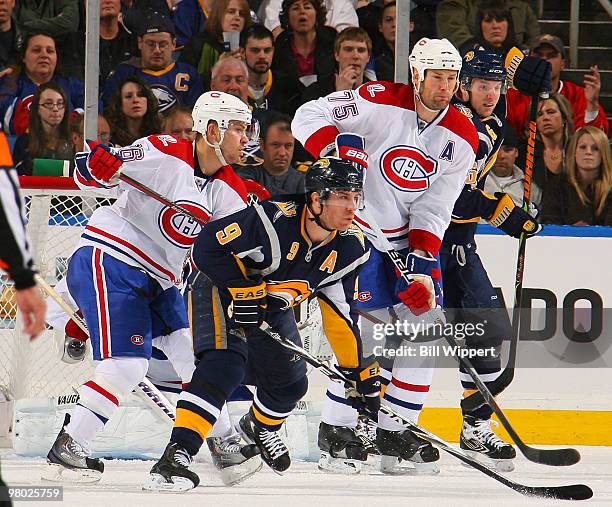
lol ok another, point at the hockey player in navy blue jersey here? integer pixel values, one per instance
(468, 293)
(263, 261)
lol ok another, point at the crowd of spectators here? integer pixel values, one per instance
(158, 56)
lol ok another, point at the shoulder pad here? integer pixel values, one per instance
(464, 110)
(353, 230)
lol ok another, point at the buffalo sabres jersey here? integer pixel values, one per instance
(473, 203)
(269, 242)
(177, 84)
(141, 231)
(414, 175)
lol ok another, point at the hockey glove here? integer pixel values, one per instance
(351, 147)
(530, 75)
(248, 306)
(512, 219)
(419, 296)
(366, 379)
(72, 330)
(104, 165)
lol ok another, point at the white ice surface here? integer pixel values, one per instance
(305, 485)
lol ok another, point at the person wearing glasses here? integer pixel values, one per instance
(49, 134)
(173, 83)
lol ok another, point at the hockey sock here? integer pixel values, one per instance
(178, 347)
(217, 374)
(223, 425)
(336, 410)
(271, 407)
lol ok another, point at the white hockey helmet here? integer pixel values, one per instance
(221, 107)
(433, 54)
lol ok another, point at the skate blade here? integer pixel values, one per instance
(236, 474)
(343, 466)
(392, 465)
(499, 465)
(52, 472)
(159, 484)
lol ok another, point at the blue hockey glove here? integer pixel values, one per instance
(530, 75)
(418, 296)
(352, 147)
(248, 306)
(367, 384)
(511, 219)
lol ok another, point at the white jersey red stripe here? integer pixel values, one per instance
(102, 303)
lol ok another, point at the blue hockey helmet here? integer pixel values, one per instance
(483, 64)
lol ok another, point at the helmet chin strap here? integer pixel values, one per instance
(217, 147)
(417, 95)
(317, 218)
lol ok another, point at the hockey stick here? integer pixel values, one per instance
(552, 457)
(570, 492)
(146, 390)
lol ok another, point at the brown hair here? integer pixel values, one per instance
(603, 184)
(354, 33)
(38, 141)
(318, 5)
(151, 122)
(214, 21)
(567, 113)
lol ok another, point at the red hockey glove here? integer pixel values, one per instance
(72, 330)
(416, 297)
(104, 166)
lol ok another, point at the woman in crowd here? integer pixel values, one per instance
(304, 50)
(132, 112)
(583, 196)
(494, 30)
(204, 49)
(555, 125)
(49, 133)
(39, 66)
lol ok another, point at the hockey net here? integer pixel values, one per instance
(57, 212)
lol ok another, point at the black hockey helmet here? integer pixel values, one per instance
(483, 64)
(333, 173)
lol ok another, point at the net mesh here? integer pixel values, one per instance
(56, 219)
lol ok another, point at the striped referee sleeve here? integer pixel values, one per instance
(15, 254)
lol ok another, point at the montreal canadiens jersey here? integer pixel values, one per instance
(144, 233)
(473, 203)
(269, 242)
(414, 175)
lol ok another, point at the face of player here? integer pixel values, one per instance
(156, 50)
(180, 125)
(258, 54)
(549, 120)
(40, 57)
(588, 156)
(302, 16)
(278, 149)
(232, 78)
(6, 10)
(234, 141)
(387, 25)
(52, 108)
(504, 163)
(110, 8)
(133, 101)
(339, 209)
(552, 56)
(484, 95)
(353, 54)
(494, 32)
(232, 19)
(438, 88)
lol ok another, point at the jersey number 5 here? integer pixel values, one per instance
(229, 233)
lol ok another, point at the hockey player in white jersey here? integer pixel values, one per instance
(126, 269)
(420, 151)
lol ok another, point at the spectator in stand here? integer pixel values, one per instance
(189, 19)
(39, 60)
(352, 50)
(77, 125)
(132, 112)
(117, 44)
(204, 49)
(179, 122)
(554, 129)
(304, 50)
(172, 82)
(494, 31)
(275, 172)
(506, 176)
(49, 135)
(9, 36)
(265, 91)
(456, 20)
(339, 14)
(133, 10)
(384, 53)
(584, 100)
(583, 196)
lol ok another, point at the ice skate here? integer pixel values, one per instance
(403, 453)
(481, 442)
(235, 461)
(273, 450)
(342, 451)
(171, 473)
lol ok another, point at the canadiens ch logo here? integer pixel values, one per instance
(408, 168)
(179, 229)
(137, 339)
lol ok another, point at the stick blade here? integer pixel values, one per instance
(551, 457)
(570, 492)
